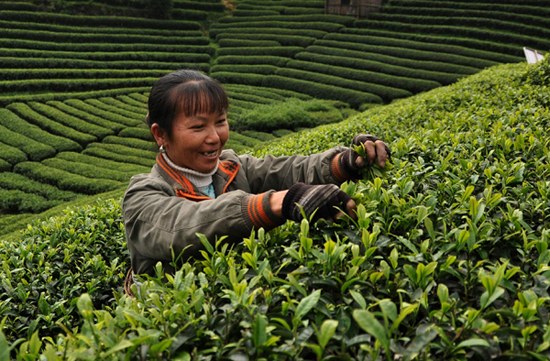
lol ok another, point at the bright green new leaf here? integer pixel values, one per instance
(405, 311)
(357, 297)
(183, 356)
(473, 342)
(4, 349)
(485, 300)
(122, 345)
(306, 304)
(85, 306)
(327, 330)
(368, 322)
(259, 333)
(389, 309)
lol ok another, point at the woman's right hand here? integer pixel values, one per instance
(326, 201)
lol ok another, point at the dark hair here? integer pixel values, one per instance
(184, 91)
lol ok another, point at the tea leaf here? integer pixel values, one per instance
(405, 311)
(487, 298)
(4, 347)
(368, 322)
(473, 342)
(358, 298)
(306, 304)
(259, 333)
(389, 309)
(123, 344)
(327, 330)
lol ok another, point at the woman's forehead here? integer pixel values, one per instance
(200, 101)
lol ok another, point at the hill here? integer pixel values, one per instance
(448, 259)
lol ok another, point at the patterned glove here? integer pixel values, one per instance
(349, 157)
(310, 198)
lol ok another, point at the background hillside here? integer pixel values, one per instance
(75, 75)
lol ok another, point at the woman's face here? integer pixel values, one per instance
(196, 142)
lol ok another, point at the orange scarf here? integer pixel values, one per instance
(185, 188)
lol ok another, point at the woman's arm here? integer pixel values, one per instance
(160, 225)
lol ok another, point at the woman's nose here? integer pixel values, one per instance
(212, 136)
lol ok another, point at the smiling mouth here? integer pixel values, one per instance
(211, 154)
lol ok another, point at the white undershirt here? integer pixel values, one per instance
(203, 181)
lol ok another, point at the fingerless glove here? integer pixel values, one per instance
(323, 200)
(349, 156)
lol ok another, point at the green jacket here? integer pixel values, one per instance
(163, 213)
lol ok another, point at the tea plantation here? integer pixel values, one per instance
(448, 259)
(75, 75)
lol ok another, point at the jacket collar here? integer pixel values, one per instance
(227, 170)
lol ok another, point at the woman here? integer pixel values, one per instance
(197, 187)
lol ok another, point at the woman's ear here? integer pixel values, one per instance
(159, 134)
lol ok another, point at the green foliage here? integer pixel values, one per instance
(11, 154)
(64, 179)
(448, 257)
(23, 195)
(50, 124)
(539, 74)
(33, 149)
(98, 21)
(379, 64)
(161, 9)
(322, 91)
(16, 124)
(283, 51)
(54, 262)
(338, 80)
(287, 40)
(289, 114)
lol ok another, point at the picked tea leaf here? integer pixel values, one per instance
(369, 171)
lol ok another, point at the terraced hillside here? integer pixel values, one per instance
(74, 87)
(409, 47)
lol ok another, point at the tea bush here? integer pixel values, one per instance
(33, 149)
(119, 154)
(472, 43)
(51, 125)
(64, 179)
(449, 63)
(393, 84)
(73, 122)
(16, 124)
(287, 40)
(342, 78)
(56, 260)
(284, 51)
(322, 91)
(448, 257)
(289, 114)
(11, 154)
(17, 201)
(27, 185)
(355, 35)
(376, 64)
(97, 108)
(281, 24)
